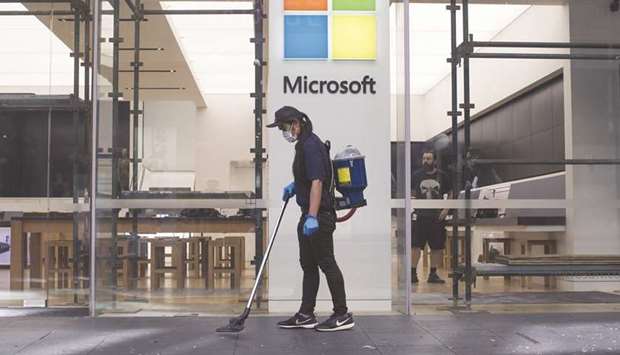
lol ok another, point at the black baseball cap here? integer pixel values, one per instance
(286, 114)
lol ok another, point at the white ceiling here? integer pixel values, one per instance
(430, 37)
(31, 55)
(217, 48)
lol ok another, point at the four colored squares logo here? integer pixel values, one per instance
(330, 29)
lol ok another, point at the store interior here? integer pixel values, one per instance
(182, 219)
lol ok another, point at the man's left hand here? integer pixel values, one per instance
(311, 225)
(443, 214)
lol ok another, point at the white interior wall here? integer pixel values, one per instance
(496, 79)
(214, 142)
(169, 135)
(224, 134)
(419, 126)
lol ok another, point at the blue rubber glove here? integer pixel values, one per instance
(289, 191)
(311, 225)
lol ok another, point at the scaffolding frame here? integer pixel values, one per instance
(461, 54)
(88, 12)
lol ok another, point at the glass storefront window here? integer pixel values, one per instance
(164, 137)
(44, 164)
(180, 224)
(526, 151)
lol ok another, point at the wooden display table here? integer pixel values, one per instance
(197, 255)
(41, 227)
(42, 231)
(159, 266)
(59, 264)
(226, 257)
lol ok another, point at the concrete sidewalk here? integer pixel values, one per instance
(479, 334)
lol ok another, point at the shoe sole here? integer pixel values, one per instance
(342, 327)
(301, 326)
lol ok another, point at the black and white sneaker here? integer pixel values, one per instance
(299, 321)
(337, 322)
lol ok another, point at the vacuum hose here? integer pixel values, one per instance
(347, 216)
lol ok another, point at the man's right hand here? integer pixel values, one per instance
(289, 191)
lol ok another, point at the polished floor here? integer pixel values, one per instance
(492, 294)
(458, 333)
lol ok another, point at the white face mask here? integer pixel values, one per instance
(289, 136)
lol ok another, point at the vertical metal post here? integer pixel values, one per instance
(87, 17)
(115, 173)
(258, 127)
(138, 15)
(87, 114)
(406, 58)
(87, 73)
(92, 306)
(466, 129)
(76, 148)
(115, 96)
(455, 152)
(136, 92)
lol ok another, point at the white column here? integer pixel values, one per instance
(362, 245)
(592, 102)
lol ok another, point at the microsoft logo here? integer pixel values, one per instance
(330, 29)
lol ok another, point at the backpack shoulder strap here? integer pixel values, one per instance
(332, 183)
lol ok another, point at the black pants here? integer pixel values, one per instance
(429, 229)
(317, 251)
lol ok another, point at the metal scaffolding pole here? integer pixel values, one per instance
(139, 8)
(454, 114)
(141, 49)
(258, 41)
(87, 18)
(561, 45)
(408, 209)
(148, 70)
(76, 151)
(93, 157)
(203, 12)
(544, 56)
(87, 99)
(546, 162)
(115, 94)
(467, 142)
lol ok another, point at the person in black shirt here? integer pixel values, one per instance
(429, 183)
(313, 188)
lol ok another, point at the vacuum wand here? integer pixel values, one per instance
(236, 324)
